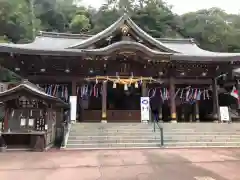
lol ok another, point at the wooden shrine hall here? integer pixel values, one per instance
(111, 70)
(32, 118)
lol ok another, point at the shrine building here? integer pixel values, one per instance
(110, 71)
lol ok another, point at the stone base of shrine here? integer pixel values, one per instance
(112, 116)
(134, 116)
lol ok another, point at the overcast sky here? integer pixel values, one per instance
(183, 6)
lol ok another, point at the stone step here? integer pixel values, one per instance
(152, 145)
(150, 133)
(111, 137)
(178, 125)
(182, 137)
(112, 145)
(140, 125)
(114, 130)
(202, 144)
(137, 135)
(111, 141)
(152, 128)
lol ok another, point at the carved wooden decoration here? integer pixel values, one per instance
(124, 29)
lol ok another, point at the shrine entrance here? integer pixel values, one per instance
(115, 98)
(123, 103)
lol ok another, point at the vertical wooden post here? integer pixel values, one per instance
(191, 117)
(74, 88)
(196, 107)
(172, 100)
(238, 88)
(160, 114)
(104, 102)
(144, 89)
(215, 114)
(6, 119)
(182, 113)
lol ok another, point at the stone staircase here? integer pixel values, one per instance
(202, 135)
(138, 135)
(112, 135)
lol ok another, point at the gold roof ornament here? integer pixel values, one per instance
(124, 29)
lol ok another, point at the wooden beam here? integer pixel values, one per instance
(61, 79)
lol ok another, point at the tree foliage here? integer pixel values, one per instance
(212, 28)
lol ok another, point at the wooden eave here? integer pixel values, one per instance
(126, 46)
(32, 90)
(77, 45)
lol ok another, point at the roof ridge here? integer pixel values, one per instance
(27, 82)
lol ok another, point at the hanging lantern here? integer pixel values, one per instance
(125, 87)
(136, 85)
(114, 85)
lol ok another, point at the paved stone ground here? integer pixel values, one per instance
(161, 164)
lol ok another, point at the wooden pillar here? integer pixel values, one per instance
(196, 107)
(172, 100)
(6, 119)
(144, 89)
(238, 88)
(74, 88)
(215, 114)
(160, 114)
(182, 113)
(104, 102)
(190, 117)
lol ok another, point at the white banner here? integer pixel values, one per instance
(224, 113)
(145, 109)
(73, 104)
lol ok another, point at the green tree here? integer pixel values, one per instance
(16, 20)
(80, 23)
(213, 29)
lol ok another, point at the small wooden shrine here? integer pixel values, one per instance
(31, 117)
(111, 70)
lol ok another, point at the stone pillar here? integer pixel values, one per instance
(172, 99)
(196, 107)
(215, 114)
(104, 102)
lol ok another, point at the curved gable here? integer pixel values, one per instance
(126, 46)
(125, 20)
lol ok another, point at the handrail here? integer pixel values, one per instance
(161, 130)
(66, 130)
(233, 112)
